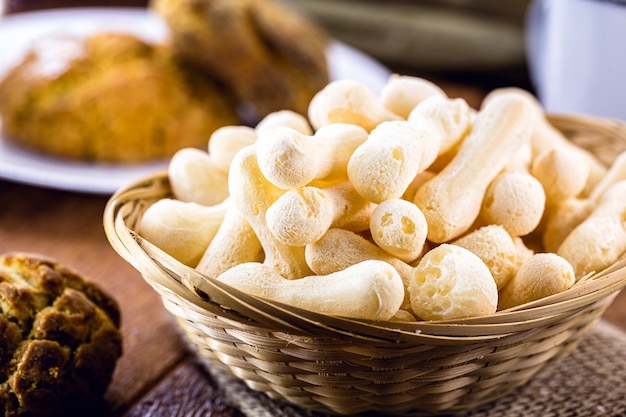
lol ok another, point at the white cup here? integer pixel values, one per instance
(577, 56)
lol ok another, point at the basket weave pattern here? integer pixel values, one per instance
(345, 366)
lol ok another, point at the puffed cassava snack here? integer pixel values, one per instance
(109, 97)
(59, 338)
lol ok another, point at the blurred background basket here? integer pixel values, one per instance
(344, 366)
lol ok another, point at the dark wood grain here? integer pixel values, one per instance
(20, 6)
(616, 313)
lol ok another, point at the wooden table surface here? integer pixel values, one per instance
(157, 375)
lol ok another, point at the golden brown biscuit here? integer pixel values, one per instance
(59, 338)
(271, 57)
(110, 97)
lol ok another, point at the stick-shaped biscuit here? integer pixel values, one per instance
(369, 290)
(253, 194)
(451, 201)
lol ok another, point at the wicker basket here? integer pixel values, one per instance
(344, 366)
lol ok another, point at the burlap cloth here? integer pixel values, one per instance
(591, 381)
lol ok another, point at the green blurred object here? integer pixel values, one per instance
(428, 35)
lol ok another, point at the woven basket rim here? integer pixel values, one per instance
(214, 297)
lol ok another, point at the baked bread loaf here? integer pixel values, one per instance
(59, 338)
(110, 97)
(271, 57)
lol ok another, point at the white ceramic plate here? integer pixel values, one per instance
(17, 34)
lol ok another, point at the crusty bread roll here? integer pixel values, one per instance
(60, 338)
(271, 57)
(110, 97)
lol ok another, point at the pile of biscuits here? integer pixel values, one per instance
(404, 205)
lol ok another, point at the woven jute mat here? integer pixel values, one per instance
(591, 381)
